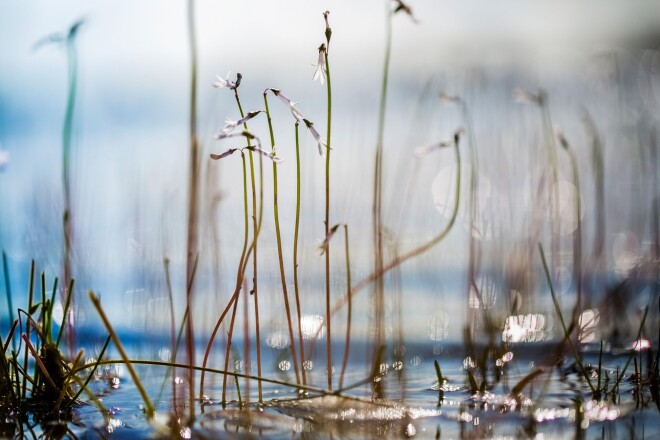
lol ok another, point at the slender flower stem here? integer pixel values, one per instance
(400, 259)
(327, 223)
(279, 245)
(295, 258)
(241, 266)
(239, 280)
(256, 227)
(349, 311)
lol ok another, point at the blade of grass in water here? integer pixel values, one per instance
(567, 335)
(91, 373)
(149, 407)
(8, 294)
(28, 324)
(65, 311)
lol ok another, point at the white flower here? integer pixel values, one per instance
(315, 134)
(320, 72)
(292, 105)
(223, 83)
(231, 151)
(266, 154)
(4, 159)
(231, 125)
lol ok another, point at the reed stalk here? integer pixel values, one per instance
(328, 315)
(577, 235)
(239, 280)
(8, 295)
(349, 310)
(279, 244)
(567, 335)
(149, 407)
(295, 257)
(193, 195)
(256, 228)
(378, 184)
(241, 267)
(28, 326)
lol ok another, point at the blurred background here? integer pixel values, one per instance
(129, 151)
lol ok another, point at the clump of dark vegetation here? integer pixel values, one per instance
(39, 385)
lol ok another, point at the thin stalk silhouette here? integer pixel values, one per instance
(349, 310)
(193, 190)
(328, 315)
(295, 257)
(279, 244)
(419, 250)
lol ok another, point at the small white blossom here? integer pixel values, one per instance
(231, 125)
(223, 83)
(266, 154)
(243, 133)
(292, 105)
(257, 150)
(320, 72)
(315, 134)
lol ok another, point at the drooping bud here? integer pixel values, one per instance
(328, 30)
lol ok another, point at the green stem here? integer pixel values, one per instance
(5, 268)
(27, 325)
(65, 311)
(241, 265)
(327, 223)
(149, 407)
(279, 245)
(295, 257)
(256, 227)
